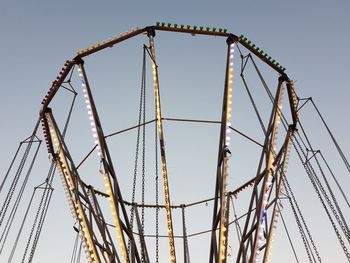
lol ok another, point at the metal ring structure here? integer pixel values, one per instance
(101, 244)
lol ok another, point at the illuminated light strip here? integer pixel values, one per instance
(294, 97)
(227, 139)
(116, 218)
(245, 40)
(55, 83)
(293, 91)
(270, 166)
(100, 44)
(200, 28)
(164, 168)
(92, 120)
(85, 233)
(78, 214)
(63, 177)
(90, 113)
(278, 209)
(45, 132)
(61, 157)
(92, 200)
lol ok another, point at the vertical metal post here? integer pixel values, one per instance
(184, 236)
(71, 188)
(279, 187)
(261, 207)
(144, 252)
(113, 190)
(256, 230)
(151, 34)
(218, 251)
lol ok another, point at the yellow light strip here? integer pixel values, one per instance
(277, 210)
(61, 155)
(116, 218)
(294, 98)
(78, 214)
(97, 140)
(268, 184)
(63, 176)
(109, 41)
(164, 168)
(227, 139)
(85, 232)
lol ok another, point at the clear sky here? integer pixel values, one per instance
(309, 38)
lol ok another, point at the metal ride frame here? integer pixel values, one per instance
(267, 185)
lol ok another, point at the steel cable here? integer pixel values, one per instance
(9, 169)
(18, 174)
(306, 167)
(75, 249)
(342, 222)
(14, 209)
(335, 180)
(295, 208)
(284, 121)
(289, 238)
(143, 150)
(342, 155)
(132, 212)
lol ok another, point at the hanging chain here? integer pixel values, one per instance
(141, 103)
(9, 196)
(316, 182)
(34, 224)
(341, 241)
(340, 217)
(143, 90)
(293, 202)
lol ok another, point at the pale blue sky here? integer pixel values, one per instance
(310, 38)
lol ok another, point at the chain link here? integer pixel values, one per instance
(340, 218)
(307, 169)
(293, 201)
(141, 103)
(143, 90)
(9, 196)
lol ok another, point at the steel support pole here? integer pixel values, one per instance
(218, 245)
(151, 35)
